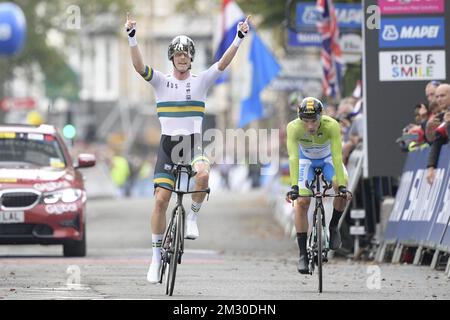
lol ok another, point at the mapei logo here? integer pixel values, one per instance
(348, 15)
(390, 33)
(345, 16)
(412, 32)
(310, 15)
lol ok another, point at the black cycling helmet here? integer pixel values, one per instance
(181, 44)
(310, 108)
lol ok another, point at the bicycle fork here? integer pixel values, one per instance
(165, 247)
(166, 252)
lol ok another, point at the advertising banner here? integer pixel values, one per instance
(349, 16)
(401, 54)
(420, 213)
(440, 232)
(412, 32)
(411, 6)
(412, 65)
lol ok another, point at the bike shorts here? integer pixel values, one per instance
(306, 172)
(173, 150)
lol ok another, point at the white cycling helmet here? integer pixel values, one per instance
(181, 44)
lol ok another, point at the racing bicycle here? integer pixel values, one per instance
(172, 246)
(318, 240)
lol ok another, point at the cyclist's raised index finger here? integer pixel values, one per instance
(128, 16)
(248, 18)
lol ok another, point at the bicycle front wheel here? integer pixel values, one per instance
(182, 215)
(319, 229)
(175, 252)
(165, 252)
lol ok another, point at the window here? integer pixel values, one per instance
(30, 150)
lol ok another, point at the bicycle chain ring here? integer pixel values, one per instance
(165, 257)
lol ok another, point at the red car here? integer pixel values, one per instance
(42, 194)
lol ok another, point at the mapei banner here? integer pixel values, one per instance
(349, 16)
(412, 32)
(421, 213)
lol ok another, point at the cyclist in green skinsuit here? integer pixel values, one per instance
(314, 140)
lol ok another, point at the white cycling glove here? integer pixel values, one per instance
(239, 34)
(131, 35)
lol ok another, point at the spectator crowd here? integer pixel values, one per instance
(431, 125)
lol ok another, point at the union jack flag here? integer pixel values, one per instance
(331, 54)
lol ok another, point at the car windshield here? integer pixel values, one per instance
(19, 149)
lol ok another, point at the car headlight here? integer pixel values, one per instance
(65, 195)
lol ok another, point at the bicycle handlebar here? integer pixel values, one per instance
(322, 195)
(207, 190)
(327, 186)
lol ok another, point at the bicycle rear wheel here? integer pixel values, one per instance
(175, 251)
(319, 229)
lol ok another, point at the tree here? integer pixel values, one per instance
(44, 17)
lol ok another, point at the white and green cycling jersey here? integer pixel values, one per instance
(180, 104)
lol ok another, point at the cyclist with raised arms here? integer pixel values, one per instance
(314, 140)
(180, 103)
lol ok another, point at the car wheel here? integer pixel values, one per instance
(75, 248)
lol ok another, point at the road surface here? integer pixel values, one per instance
(241, 254)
